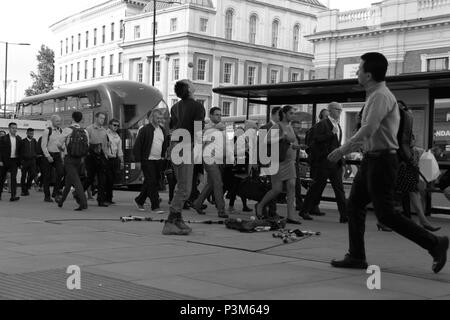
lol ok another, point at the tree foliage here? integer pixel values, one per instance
(45, 76)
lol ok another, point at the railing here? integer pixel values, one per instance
(360, 15)
(432, 4)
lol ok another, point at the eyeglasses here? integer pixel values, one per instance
(115, 125)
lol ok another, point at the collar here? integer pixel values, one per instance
(96, 126)
(374, 87)
(29, 139)
(76, 125)
(333, 121)
(12, 137)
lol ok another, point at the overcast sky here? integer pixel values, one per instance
(29, 20)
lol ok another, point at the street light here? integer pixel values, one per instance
(6, 68)
(154, 35)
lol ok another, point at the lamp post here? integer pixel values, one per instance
(6, 69)
(154, 35)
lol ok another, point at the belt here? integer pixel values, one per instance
(379, 153)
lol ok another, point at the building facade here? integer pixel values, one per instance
(212, 42)
(414, 35)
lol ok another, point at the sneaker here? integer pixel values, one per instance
(158, 211)
(182, 225)
(171, 229)
(140, 207)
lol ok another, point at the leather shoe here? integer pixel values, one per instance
(102, 204)
(49, 200)
(80, 208)
(350, 263)
(439, 254)
(14, 199)
(305, 216)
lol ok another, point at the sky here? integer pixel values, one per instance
(28, 21)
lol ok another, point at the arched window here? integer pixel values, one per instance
(229, 24)
(296, 37)
(275, 27)
(252, 28)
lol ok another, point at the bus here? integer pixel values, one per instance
(129, 102)
(427, 94)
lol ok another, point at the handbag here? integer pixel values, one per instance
(429, 166)
(253, 187)
(407, 178)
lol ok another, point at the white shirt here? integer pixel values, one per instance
(158, 140)
(114, 144)
(336, 126)
(13, 146)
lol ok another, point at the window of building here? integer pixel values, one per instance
(67, 45)
(95, 37)
(296, 37)
(102, 66)
(71, 72)
(252, 28)
(86, 69)
(71, 44)
(155, 26)
(295, 76)
(201, 69)
(103, 34)
(227, 72)
(78, 71)
(61, 42)
(226, 108)
(112, 31)
(275, 27)
(111, 64)
(312, 75)
(137, 32)
(176, 69)
(122, 29)
(157, 71)
(94, 67)
(229, 24)
(274, 76)
(140, 72)
(65, 74)
(87, 39)
(79, 41)
(203, 24)
(120, 62)
(60, 73)
(437, 64)
(251, 76)
(173, 24)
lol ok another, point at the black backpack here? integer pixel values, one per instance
(405, 134)
(78, 146)
(39, 150)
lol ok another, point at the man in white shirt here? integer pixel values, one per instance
(9, 159)
(115, 158)
(149, 149)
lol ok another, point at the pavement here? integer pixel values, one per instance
(38, 242)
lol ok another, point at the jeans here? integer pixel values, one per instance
(183, 174)
(151, 170)
(11, 166)
(111, 174)
(375, 182)
(214, 185)
(96, 166)
(47, 168)
(72, 166)
(29, 170)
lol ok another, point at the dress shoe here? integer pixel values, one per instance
(14, 199)
(60, 203)
(49, 200)
(80, 208)
(103, 204)
(431, 228)
(350, 263)
(305, 216)
(439, 254)
(343, 220)
(383, 228)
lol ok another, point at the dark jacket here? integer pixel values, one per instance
(5, 148)
(27, 149)
(444, 181)
(144, 141)
(324, 141)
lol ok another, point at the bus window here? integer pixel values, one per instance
(26, 110)
(48, 106)
(129, 112)
(60, 105)
(37, 109)
(72, 104)
(89, 100)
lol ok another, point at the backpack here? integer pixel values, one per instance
(39, 150)
(78, 146)
(404, 135)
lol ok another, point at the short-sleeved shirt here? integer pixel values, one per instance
(98, 135)
(184, 113)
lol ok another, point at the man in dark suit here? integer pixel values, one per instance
(10, 161)
(327, 137)
(274, 119)
(150, 149)
(28, 155)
